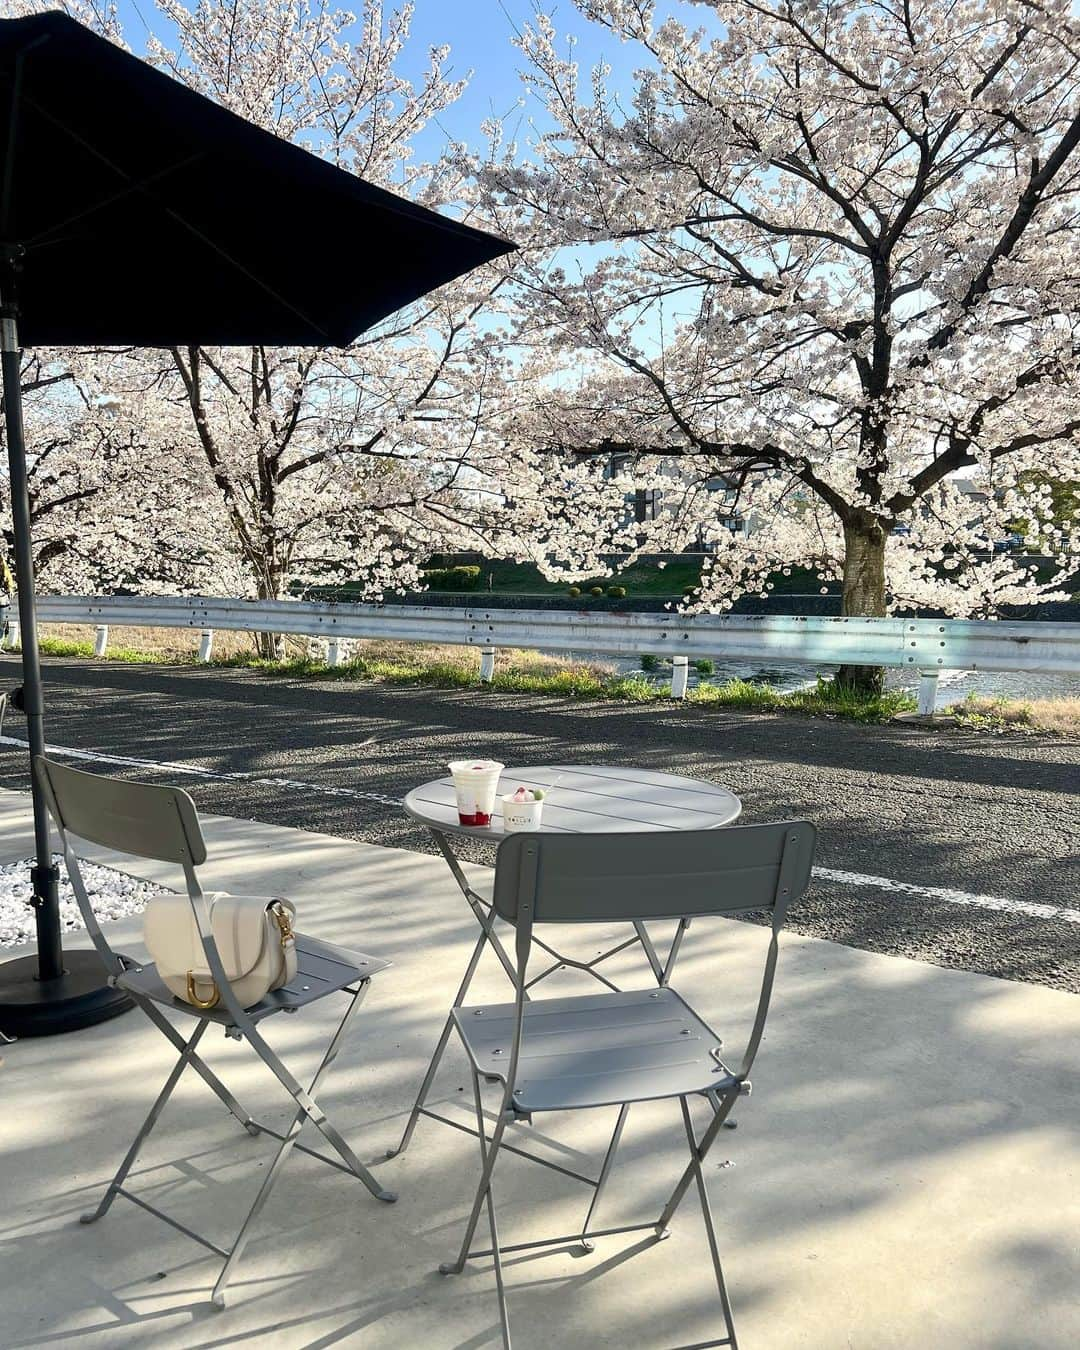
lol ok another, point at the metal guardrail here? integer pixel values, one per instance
(926, 645)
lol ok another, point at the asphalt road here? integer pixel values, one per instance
(954, 847)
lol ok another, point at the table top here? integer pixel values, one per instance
(588, 798)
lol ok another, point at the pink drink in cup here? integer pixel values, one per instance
(475, 782)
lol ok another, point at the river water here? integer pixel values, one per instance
(953, 685)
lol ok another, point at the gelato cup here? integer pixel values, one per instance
(521, 810)
(475, 782)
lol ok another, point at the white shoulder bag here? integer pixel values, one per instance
(254, 937)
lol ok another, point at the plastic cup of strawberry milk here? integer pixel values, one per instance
(475, 783)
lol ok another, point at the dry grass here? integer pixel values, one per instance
(171, 643)
(181, 644)
(442, 666)
(511, 661)
(1058, 715)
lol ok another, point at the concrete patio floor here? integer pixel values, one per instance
(908, 1168)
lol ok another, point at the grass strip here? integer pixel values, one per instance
(570, 680)
(981, 712)
(131, 655)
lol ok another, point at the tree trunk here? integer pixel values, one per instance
(864, 593)
(271, 645)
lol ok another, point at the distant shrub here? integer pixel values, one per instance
(704, 666)
(649, 662)
(460, 578)
(617, 592)
(574, 591)
(596, 590)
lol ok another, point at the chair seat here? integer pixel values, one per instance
(597, 1050)
(321, 968)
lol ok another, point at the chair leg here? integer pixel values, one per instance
(308, 1110)
(484, 1193)
(440, 1049)
(305, 1100)
(488, 1153)
(212, 1081)
(187, 1056)
(698, 1153)
(496, 1253)
(696, 1157)
(605, 1172)
(713, 1098)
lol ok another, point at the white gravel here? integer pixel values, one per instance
(113, 894)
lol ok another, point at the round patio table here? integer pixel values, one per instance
(587, 799)
(580, 799)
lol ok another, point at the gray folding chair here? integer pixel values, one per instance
(566, 1054)
(162, 823)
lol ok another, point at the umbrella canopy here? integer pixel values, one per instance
(148, 215)
(136, 212)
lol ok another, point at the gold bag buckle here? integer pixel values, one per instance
(194, 998)
(281, 915)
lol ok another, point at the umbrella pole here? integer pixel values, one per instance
(44, 876)
(47, 994)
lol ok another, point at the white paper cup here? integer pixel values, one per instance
(475, 782)
(521, 816)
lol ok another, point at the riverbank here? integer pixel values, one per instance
(530, 672)
(518, 671)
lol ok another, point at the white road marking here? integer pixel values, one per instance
(195, 770)
(953, 897)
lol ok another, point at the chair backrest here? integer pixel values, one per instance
(592, 878)
(139, 818)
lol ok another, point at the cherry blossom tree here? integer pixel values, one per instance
(332, 465)
(825, 254)
(92, 490)
(277, 469)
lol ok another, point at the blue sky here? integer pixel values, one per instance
(479, 34)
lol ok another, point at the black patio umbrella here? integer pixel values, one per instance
(134, 211)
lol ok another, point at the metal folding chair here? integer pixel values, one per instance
(614, 1049)
(162, 823)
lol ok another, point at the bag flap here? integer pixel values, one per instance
(240, 925)
(171, 936)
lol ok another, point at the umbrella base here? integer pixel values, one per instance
(79, 998)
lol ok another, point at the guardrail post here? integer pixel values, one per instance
(928, 681)
(11, 634)
(335, 652)
(487, 665)
(206, 644)
(101, 639)
(680, 672)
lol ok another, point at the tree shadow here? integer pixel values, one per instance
(894, 1106)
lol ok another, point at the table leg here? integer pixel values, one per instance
(673, 952)
(485, 917)
(440, 1049)
(649, 950)
(589, 967)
